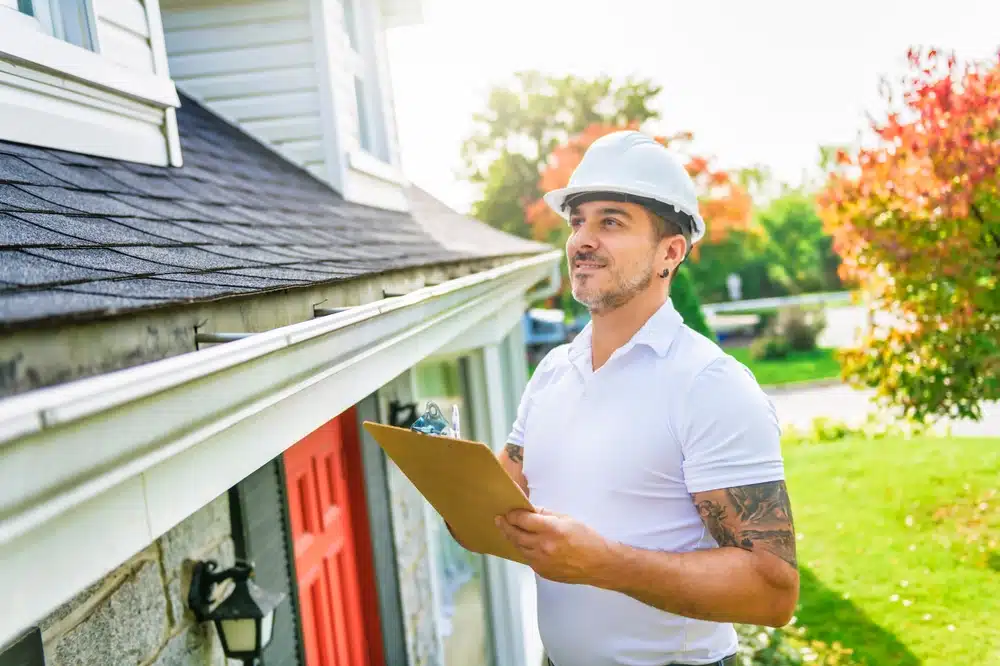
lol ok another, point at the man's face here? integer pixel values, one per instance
(611, 253)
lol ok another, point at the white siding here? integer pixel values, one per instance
(123, 33)
(254, 64)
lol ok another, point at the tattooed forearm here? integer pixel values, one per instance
(515, 453)
(751, 517)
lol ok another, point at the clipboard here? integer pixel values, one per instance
(463, 481)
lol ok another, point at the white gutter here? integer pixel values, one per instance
(94, 470)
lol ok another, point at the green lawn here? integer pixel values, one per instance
(797, 367)
(899, 547)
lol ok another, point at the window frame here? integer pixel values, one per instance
(362, 66)
(51, 17)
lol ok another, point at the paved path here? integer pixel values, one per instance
(843, 403)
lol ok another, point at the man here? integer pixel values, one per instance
(653, 457)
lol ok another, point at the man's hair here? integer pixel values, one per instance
(667, 223)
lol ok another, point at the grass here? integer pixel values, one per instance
(797, 367)
(899, 547)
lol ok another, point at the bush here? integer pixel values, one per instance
(788, 646)
(800, 328)
(770, 348)
(874, 427)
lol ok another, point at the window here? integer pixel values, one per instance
(69, 20)
(360, 29)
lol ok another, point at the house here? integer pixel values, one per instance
(211, 271)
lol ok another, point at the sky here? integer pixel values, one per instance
(763, 82)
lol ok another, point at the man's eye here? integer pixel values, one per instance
(610, 221)
(575, 222)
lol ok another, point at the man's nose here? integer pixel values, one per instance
(584, 237)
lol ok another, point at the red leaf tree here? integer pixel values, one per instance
(916, 219)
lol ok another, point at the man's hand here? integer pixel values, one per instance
(557, 547)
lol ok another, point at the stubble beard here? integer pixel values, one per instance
(623, 290)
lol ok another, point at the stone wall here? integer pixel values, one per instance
(413, 555)
(137, 615)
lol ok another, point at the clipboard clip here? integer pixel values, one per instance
(433, 422)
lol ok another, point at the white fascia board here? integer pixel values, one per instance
(186, 429)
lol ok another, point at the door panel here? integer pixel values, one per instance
(324, 544)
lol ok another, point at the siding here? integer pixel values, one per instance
(123, 33)
(253, 64)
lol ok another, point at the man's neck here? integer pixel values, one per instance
(612, 329)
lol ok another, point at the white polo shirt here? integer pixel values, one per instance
(622, 450)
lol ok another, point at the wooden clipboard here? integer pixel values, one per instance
(463, 481)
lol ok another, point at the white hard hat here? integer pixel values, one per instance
(633, 164)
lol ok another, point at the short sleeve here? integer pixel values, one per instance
(730, 435)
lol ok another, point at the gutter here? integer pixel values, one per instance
(95, 470)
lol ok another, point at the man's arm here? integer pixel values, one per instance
(751, 578)
(512, 461)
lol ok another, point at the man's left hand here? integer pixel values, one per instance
(557, 547)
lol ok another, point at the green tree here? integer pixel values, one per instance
(688, 305)
(798, 252)
(524, 121)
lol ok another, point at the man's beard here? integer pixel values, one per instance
(623, 290)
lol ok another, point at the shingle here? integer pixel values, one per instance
(155, 186)
(160, 209)
(186, 257)
(16, 170)
(93, 258)
(17, 233)
(85, 202)
(210, 193)
(212, 212)
(281, 274)
(166, 231)
(221, 232)
(97, 229)
(152, 288)
(249, 254)
(229, 280)
(23, 150)
(12, 198)
(81, 177)
(24, 269)
(45, 304)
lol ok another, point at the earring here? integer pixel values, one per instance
(665, 273)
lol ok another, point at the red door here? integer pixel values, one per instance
(320, 476)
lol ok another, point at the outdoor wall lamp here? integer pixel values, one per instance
(244, 619)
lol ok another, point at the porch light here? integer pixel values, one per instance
(244, 619)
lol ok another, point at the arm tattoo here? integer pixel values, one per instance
(515, 453)
(751, 517)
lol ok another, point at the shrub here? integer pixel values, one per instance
(874, 427)
(788, 646)
(770, 348)
(800, 328)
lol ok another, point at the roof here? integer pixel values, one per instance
(83, 237)
(464, 234)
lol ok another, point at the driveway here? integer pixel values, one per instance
(843, 403)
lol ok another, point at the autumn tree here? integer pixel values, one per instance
(916, 219)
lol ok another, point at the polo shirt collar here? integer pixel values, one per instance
(657, 333)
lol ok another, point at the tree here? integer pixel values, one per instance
(684, 296)
(523, 122)
(798, 254)
(916, 219)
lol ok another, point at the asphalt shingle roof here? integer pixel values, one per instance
(86, 237)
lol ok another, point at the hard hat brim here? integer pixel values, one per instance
(556, 200)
